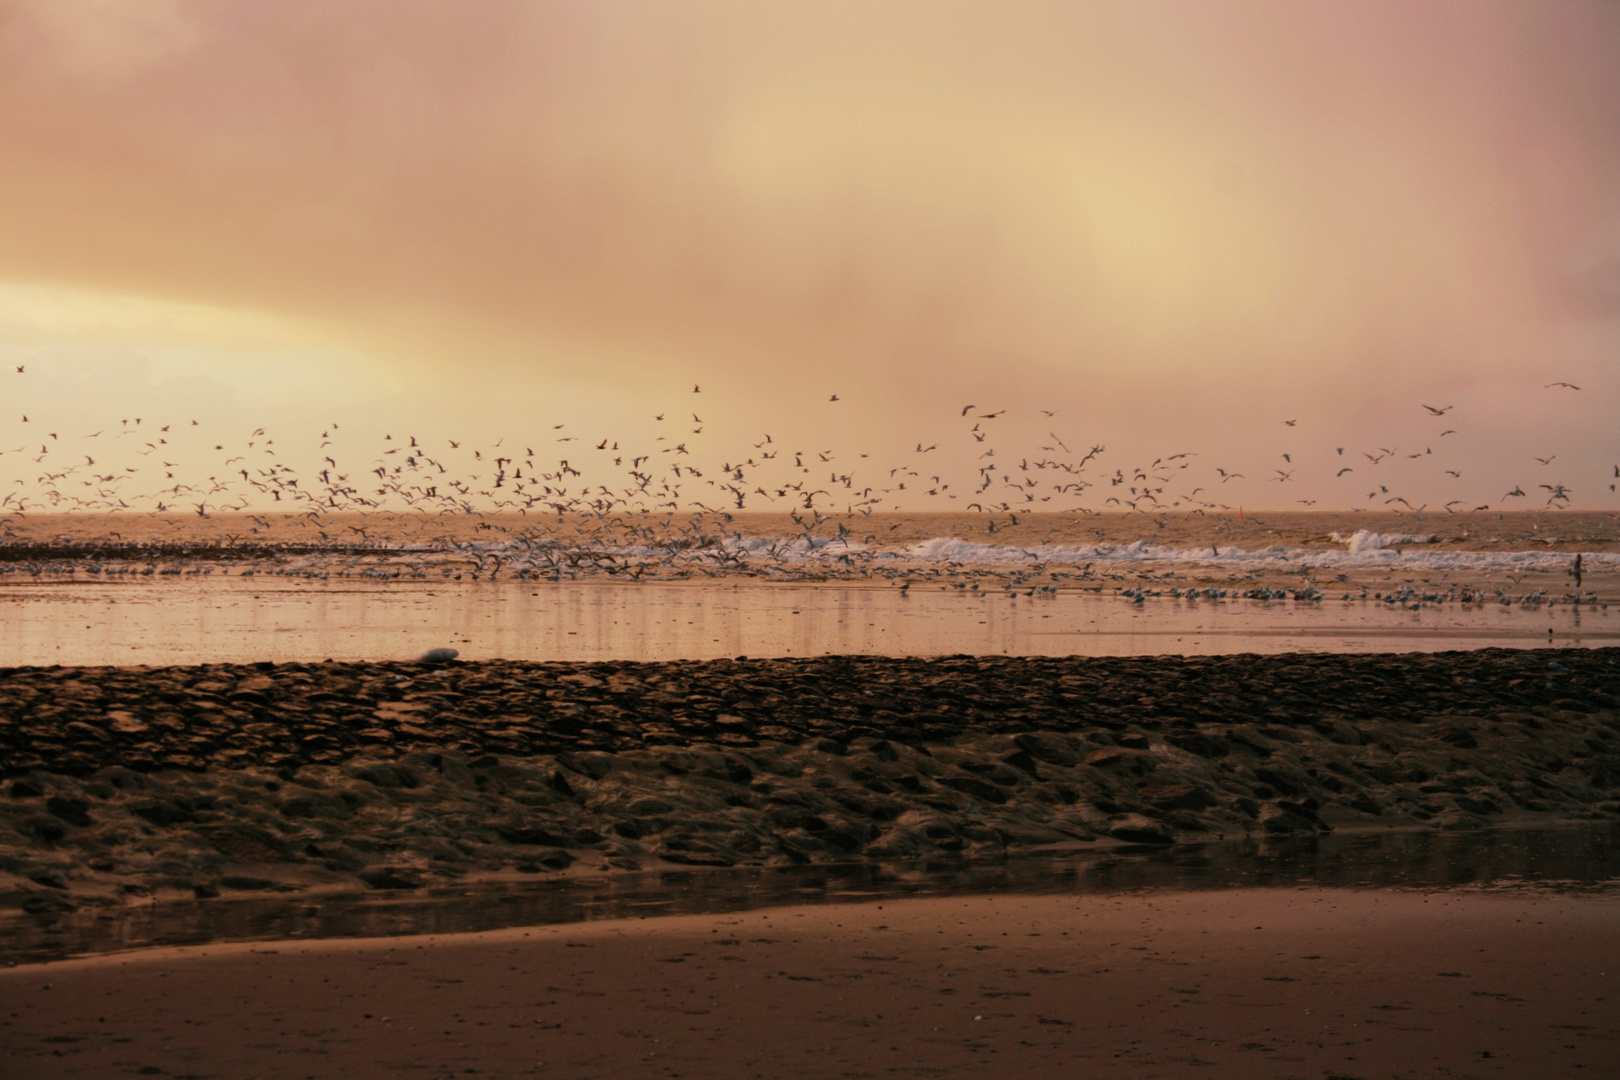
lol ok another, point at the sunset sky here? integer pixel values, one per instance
(1174, 225)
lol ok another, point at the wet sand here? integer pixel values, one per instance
(1276, 983)
(244, 620)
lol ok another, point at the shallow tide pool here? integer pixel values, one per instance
(221, 619)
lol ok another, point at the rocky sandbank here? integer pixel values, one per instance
(127, 784)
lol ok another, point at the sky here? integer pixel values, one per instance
(1175, 227)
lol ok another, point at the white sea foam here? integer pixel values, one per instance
(1363, 549)
(524, 556)
(1364, 540)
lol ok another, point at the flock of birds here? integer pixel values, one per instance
(127, 467)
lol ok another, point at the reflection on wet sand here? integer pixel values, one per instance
(244, 620)
(1584, 860)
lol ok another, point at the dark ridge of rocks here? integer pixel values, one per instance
(78, 551)
(390, 776)
(76, 720)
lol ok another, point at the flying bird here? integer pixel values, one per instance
(1571, 385)
(1439, 412)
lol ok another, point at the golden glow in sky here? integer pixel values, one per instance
(1172, 225)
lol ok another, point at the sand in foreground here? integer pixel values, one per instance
(1303, 983)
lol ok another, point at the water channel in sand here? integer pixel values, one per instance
(219, 619)
(1572, 860)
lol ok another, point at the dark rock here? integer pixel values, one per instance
(44, 830)
(697, 858)
(975, 788)
(315, 806)
(391, 877)
(690, 850)
(595, 766)
(204, 892)
(1461, 738)
(1305, 808)
(164, 813)
(1049, 747)
(49, 881)
(1283, 782)
(1366, 804)
(1136, 829)
(526, 835)
(844, 836)
(48, 904)
(1023, 761)
(555, 859)
(72, 811)
(25, 789)
(248, 883)
(993, 771)
(1277, 821)
(1195, 742)
(1177, 797)
(385, 776)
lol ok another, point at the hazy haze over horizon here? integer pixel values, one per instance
(1174, 225)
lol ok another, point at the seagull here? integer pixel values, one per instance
(833, 398)
(1439, 412)
(1571, 385)
(1290, 423)
(965, 409)
(1546, 460)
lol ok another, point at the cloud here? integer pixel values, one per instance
(1209, 208)
(104, 41)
